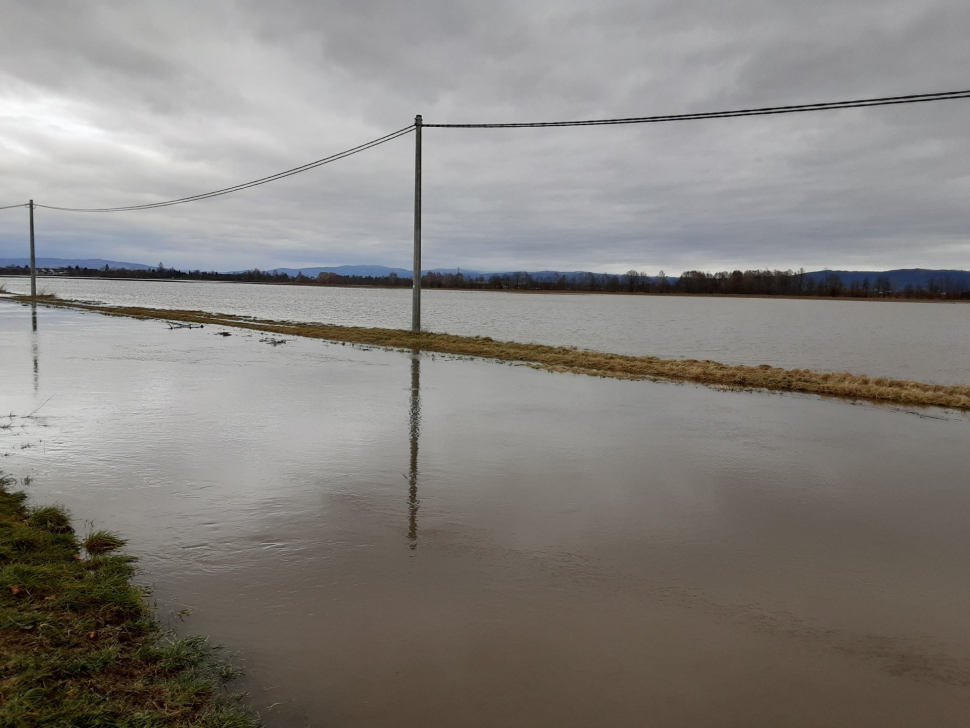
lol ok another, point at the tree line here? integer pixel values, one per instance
(692, 282)
(800, 283)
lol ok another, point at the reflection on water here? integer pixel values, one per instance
(591, 551)
(35, 346)
(414, 420)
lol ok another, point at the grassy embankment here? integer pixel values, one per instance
(581, 361)
(79, 645)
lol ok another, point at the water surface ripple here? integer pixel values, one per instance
(399, 540)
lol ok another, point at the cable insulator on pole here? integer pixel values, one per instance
(416, 281)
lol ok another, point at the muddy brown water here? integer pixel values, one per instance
(396, 540)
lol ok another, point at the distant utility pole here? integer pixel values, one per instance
(33, 264)
(416, 280)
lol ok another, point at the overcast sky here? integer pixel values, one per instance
(115, 103)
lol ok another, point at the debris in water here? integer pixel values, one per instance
(184, 325)
(223, 333)
(271, 341)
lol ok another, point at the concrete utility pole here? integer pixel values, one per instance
(33, 265)
(416, 281)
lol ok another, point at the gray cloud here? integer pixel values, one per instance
(119, 103)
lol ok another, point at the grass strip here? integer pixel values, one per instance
(79, 645)
(579, 361)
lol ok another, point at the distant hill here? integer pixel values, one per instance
(380, 271)
(377, 271)
(71, 262)
(918, 278)
(900, 278)
(370, 270)
(345, 270)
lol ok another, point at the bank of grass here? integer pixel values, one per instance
(582, 361)
(79, 645)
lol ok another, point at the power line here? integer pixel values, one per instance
(823, 106)
(826, 106)
(10, 207)
(244, 185)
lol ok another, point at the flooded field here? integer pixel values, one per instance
(928, 342)
(397, 540)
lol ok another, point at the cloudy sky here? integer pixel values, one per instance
(115, 103)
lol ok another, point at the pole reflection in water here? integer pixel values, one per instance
(414, 417)
(34, 346)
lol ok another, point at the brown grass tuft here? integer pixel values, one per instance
(102, 542)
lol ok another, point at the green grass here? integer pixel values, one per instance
(79, 645)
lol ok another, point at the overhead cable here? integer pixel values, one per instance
(826, 106)
(244, 185)
(10, 207)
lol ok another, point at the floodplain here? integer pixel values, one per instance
(925, 342)
(570, 359)
(416, 539)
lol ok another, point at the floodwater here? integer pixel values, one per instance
(397, 540)
(928, 342)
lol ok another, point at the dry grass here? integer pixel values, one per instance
(580, 361)
(102, 542)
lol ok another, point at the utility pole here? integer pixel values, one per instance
(33, 264)
(416, 280)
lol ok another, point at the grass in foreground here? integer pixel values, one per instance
(581, 361)
(79, 645)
